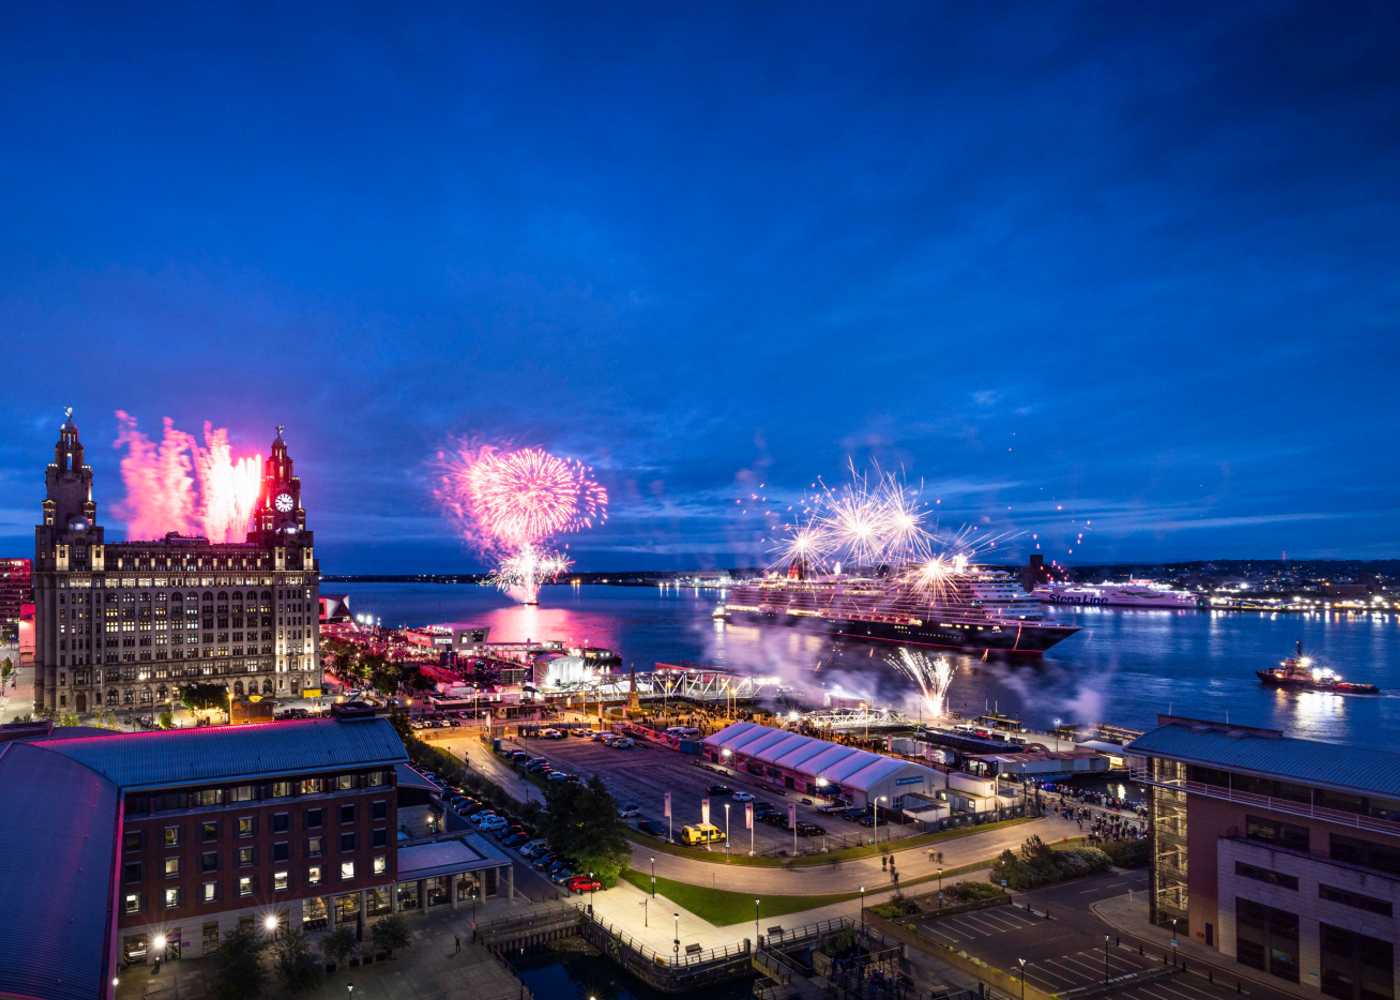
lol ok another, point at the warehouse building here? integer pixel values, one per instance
(817, 767)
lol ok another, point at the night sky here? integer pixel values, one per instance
(1130, 263)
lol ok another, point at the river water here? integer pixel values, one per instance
(1124, 667)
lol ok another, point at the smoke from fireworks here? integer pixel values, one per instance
(160, 490)
(509, 504)
(933, 674)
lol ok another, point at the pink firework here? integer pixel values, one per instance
(160, 490)
(503, 500)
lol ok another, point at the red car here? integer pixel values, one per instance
(582, 883)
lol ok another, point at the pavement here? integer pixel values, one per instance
(1128, 918)
(849, 876)
(430, 967)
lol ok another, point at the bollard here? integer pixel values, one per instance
(1239, 987)
(1047, 914)
(1117, 942)
(1210, 974)
(1139, 949)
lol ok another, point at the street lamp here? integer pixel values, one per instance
(1173, 942)
(726, 831)
(1105, 958)
(1023, 977)
(676, 944)
(653, 878)
(350, 988)
(755, 921)
(862, 928)
(878, 800)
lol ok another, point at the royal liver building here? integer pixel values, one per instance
(122, 625)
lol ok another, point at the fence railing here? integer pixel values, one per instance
(1306, 809)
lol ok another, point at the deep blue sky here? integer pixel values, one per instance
(1136, 261)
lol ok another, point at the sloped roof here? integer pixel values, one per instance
(1331, 765)
(184, 756)
(811, 756)
(59, 828)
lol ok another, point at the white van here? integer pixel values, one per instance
(530, 849)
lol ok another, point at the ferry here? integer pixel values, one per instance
(1135, 594)
(1301, 673)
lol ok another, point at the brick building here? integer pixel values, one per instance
(1281, 853)
(138, 845)
(122, 625)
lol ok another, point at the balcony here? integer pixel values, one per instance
(1304, 809)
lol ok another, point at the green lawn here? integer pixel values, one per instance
(722, 907)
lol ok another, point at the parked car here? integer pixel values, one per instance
(720, 790)
(477, 817)
(743, 797)
(541, 862)
(511, 840)
(562, 875)
(775, 817)
(867, 820)
(855, 812)
(582, 883)
(581, 733)
(653, 828)
(600, 737)
(552, 734)
(533, 847)
(760, 807)
(491, 823)
(558, 776)
(810, 830)
(628, 811)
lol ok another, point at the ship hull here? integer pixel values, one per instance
(1302, 684)
(1029, 639)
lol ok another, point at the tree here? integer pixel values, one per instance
(390, 933)
(238, 968)
(581, 823)
(203, 696)
(167, 718)
(68, 719)
(339, 945)
(7, 671)
(299, 969)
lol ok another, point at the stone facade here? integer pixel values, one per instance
(121, 626)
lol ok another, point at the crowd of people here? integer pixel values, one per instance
(1108, 817)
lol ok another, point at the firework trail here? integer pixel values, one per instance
(160, 490)
(934, 677)
(509, 504)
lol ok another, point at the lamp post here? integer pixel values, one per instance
(1105, 958)
(1173, 942)
(756, 903)
(862, 928)
(1023, 977)
(726, 831)
(653, 878)
(878, 800)
(676, 943)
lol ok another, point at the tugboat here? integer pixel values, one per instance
(1300, 673)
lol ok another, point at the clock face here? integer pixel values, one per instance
(284, 502)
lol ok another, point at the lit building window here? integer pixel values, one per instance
(279, 881)
(245, 886)
(313, 875)
(381, 865)
(347, 870)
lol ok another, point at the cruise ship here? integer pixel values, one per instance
(971, 608)
(1115, 595)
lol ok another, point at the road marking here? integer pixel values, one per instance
(933, 930)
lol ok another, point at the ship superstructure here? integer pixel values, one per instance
(968, 608)
(1137, 594)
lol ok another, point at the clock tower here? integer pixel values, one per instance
(279, 501)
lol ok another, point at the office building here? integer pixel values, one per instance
(1281, 853)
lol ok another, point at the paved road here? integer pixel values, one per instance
(849, 876)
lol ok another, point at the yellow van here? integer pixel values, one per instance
(703, 833)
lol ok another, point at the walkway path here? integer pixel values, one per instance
(849, 876)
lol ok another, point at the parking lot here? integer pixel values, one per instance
(642, 776)
(1068, 951)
